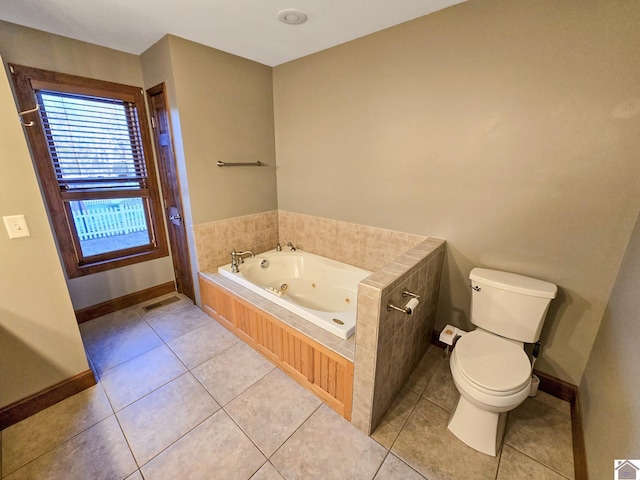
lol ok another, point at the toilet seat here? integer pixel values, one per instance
(491, 364)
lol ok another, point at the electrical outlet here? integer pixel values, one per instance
(16, 226)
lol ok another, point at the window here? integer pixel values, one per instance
(91, 147)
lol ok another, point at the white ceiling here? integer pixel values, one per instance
(248, 28)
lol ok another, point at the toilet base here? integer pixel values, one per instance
(482, 430)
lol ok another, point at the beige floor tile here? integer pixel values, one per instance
(542, 433)
(427, 446)
(108, 324)
(514, 465)
(436, 352)
(131, 380)
(423, 372)
(441, 389)
(326, 447)
(272, 409)
(201, 344)
(122, 345)
(557, 403)
(175, 323)
(395, 469)
(267, 472)
(389, 428)
(216, 448)
(231, 372)
(172, 422)
(98, 453)
(43, 431)
(157, 420)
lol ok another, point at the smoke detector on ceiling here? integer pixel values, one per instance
(291, 16)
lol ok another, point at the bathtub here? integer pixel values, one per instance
(320, 290)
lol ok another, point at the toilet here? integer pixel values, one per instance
(490, 368)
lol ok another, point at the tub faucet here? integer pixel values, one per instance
(293, 249)
(236, 259)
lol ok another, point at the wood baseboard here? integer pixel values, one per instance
(33, 404)
(95, 311)
(565, 391)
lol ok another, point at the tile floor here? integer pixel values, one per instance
(180, 397)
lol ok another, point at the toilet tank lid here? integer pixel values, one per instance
(514, 283)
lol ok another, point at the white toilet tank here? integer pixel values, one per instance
(508, 304)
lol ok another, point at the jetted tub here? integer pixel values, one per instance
(321, 290)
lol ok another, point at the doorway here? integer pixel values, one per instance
(170, 184)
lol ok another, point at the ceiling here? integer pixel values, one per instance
(248, 28)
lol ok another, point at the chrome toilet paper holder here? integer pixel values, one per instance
(409, 307)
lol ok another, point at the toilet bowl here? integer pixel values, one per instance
(489, 365)
(493, 376)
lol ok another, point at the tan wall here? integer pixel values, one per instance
(610, 386)
(25, 46)
(40, 342)
(221, 108)
(226, 114)
(509, 129)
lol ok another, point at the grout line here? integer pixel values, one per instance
(552, 406)
(206, 360)
(246, 434)
(127, 442)
(296, 430)
(405, 422)
(67, 440)
(170, 444)
(535, 460)
(275, 468)
(382, 463)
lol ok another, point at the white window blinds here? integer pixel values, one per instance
(94, 142)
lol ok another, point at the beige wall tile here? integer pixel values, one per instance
(367, 336)
(368, 309)
(366, 361)
(215, 240)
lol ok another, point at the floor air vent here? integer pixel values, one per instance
(161, 303)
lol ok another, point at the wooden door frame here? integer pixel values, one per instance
(161, 89)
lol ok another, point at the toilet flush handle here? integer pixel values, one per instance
(474, 287)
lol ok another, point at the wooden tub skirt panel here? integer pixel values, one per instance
(312, 365)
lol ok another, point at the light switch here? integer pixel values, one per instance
(16, 226)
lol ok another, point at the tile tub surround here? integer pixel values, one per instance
(214, 240)
(360, 245)
(389, 345)
(398, 260)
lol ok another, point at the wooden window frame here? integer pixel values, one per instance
(26, 81)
